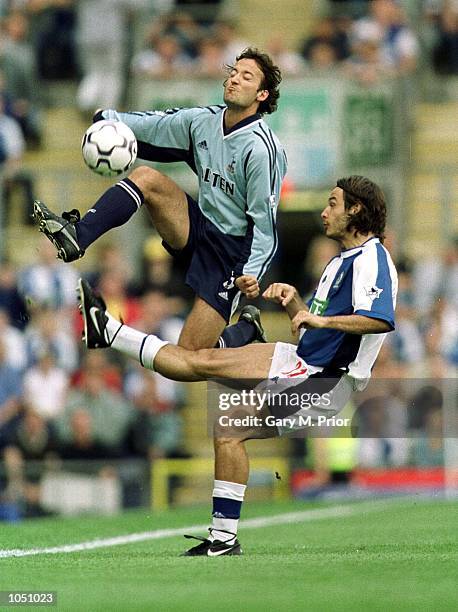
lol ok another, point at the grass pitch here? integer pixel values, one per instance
(398, 555)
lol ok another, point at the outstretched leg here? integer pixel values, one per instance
(179, 363)
(165, 201)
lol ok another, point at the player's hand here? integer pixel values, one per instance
(248, 285)
(307, 320)
(280, 293)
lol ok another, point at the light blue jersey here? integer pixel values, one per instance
(240, 171)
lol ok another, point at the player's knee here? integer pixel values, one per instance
(148, 180)
(223, 443)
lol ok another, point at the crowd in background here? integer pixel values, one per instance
(104, 45)
(59, 401)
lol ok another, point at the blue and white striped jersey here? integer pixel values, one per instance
(361, 280)
(240, 171)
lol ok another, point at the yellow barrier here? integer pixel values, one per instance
(162, 469)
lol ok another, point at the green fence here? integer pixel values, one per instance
(328, 126)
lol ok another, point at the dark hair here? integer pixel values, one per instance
(271, 78)
(372, 216)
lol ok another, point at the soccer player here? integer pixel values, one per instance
(342, 329)
(228, 238)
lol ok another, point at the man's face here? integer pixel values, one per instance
(334, 216)
(242, 88)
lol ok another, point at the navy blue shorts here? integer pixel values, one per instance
(210, 257)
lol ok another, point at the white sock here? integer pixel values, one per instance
(220, 524)
(131, 342)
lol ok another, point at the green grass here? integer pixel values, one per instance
(398, 556)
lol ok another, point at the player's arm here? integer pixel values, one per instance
(287, 296)
(162, 136)
(373, 300)
(265, 168)
(349, 324)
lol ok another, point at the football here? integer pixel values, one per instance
(109, 147)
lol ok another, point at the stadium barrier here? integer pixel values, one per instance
(277, 469)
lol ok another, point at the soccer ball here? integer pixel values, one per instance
(109, 147)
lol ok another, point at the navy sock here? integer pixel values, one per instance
(227, 508)
(114, 208)
(239, 334)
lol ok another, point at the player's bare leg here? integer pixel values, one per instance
(202, 328)
(166, 203)
(164, 200)
(232, 463)
(249, 362)
(168, 208)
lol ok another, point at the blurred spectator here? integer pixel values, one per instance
(111, 414)
(289, 62)
(227, 35)
(382, 441)
(425, 399)
(321, 250)
(157, 428)
(10, 394)
(33, 440)
(113, 286)
(53, 35)
(387, 24)
(48, 332)
(12, 151)
(45, 387)
(102, 45)
(82, 442)
(108, 257)
(17, 61)
(10, 299)
(366, 64)
(157, 316)
(160, 272)
(406, 340)
(434, 276)
(428, 448)
(163, 60)
(445, 52)
(322, 59)
(330, 35)
(387, 364)
(34, 436)
(441, 337)
(204, 12)
(14, 342)
(183, 27)
(210, 60)
(450, 272)
(98, 360)
(49, 282)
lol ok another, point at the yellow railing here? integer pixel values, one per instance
(163, 469)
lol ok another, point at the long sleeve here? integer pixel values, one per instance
(163, 136)
(265, 170)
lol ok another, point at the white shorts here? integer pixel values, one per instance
(289, 370)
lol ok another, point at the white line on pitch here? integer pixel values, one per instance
(254, 523)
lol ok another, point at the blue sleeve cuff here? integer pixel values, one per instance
(376, 315)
